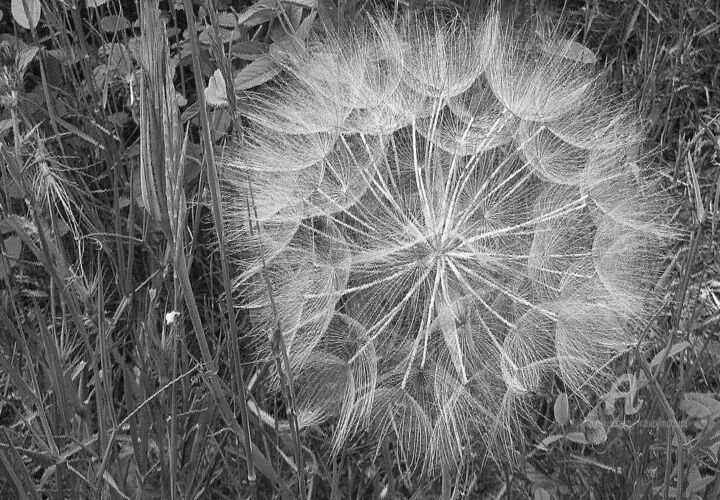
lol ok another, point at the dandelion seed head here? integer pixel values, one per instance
(447, 213)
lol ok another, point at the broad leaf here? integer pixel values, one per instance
(699, 405)
(561, 408)
(261, 70)
(26, 12)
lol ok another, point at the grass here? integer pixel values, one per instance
(124, 370)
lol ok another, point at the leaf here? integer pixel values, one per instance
(577, 437)
(594, 431)
(100, 75)
(68, 55)
(222, 35)
(13, 247)
(699, 405)
(62, 228)
(119, 119)
(135, 46)
(294, 15)
(250, 50)
(671, 351)
(5, 125)
(227, 20)
(216, 91)
(24, 56)
(113, 24)
(561, 408)
(96, 3)
(26, 12)
(696, 482)
(258, 13)
(119, 58)
(310, 4)
(221, 121)
(572, 50)
(256, 73)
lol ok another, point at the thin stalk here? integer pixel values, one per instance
(214, 186)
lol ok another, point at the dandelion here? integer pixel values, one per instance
(448, 212)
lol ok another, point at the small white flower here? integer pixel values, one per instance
(171, 317)
(216, 91)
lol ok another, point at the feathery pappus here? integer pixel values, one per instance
(441, 212)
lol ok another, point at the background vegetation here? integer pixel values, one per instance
(122, 375)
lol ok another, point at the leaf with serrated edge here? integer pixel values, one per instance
(261, 70)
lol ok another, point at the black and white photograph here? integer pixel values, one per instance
(359, 249)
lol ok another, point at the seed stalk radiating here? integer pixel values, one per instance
(448, 211)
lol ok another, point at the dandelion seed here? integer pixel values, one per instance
(449, 213)
(533, 83)
(445, 54)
